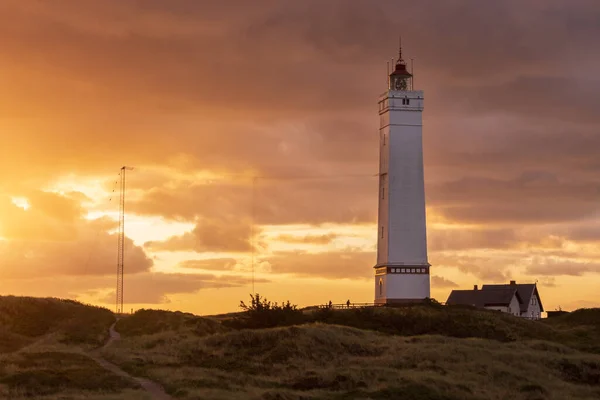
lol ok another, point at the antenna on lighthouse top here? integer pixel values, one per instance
(399, 47)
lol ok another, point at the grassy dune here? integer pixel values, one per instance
(26, 319)
(145, 322)
(472, 354)
(42, 351)
(419, 352)
(318, 361)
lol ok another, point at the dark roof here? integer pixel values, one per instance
(464, 297)
(525, 291)
(501, 296)
(401, 69)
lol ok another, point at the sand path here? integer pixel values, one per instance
(153, 388)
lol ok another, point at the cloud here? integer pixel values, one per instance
(157, 287)
(439, 239)
(441, 282)
(51, 238)
(94, 254)
(139, 288)
(530, 198)
(217, 264)
(554, 267)
(140, 61)
(49, 215)
(490, 268)
(287, 92)
(229, 235)
(308, 239)
(315, 198)
(331, 264)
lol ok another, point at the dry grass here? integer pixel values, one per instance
(42, 352)
(320, 361)
(420, 353)
(26, 319)
(48, 370)
(145, 322)
(128, 394)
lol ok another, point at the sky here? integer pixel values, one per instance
(252, 128)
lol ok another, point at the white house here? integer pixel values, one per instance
(521, 300)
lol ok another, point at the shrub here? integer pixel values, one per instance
(261, 313)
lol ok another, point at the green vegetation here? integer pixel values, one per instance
(145, 322)
(261, 313)
(43, 345)
(579, 329)
(320, 361)
(50, 372)
(427, 352)
(23, 319)
(409, 320)
(275, 351)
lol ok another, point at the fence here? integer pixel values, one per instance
(351, 305)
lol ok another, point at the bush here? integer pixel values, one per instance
(261, 313)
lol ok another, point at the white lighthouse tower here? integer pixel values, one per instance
(402, 270)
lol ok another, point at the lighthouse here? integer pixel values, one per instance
(402, 269)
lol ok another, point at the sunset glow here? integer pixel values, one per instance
(252, 131)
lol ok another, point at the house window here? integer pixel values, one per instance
(407, 101)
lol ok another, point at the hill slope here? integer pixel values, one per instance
(43, 351)
(511, 358)
(418, 352)
(24, 319)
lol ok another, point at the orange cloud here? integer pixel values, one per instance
(226, 235)
(510, 134)
(441, 282)
(308, 239)
(218, 264)
(332, 264)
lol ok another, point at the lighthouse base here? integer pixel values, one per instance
(398, 302)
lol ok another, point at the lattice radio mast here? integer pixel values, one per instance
(121, 242)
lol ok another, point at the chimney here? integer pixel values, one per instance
(513, 282)
(474, 287)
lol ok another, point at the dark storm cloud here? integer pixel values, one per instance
(532, 197)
